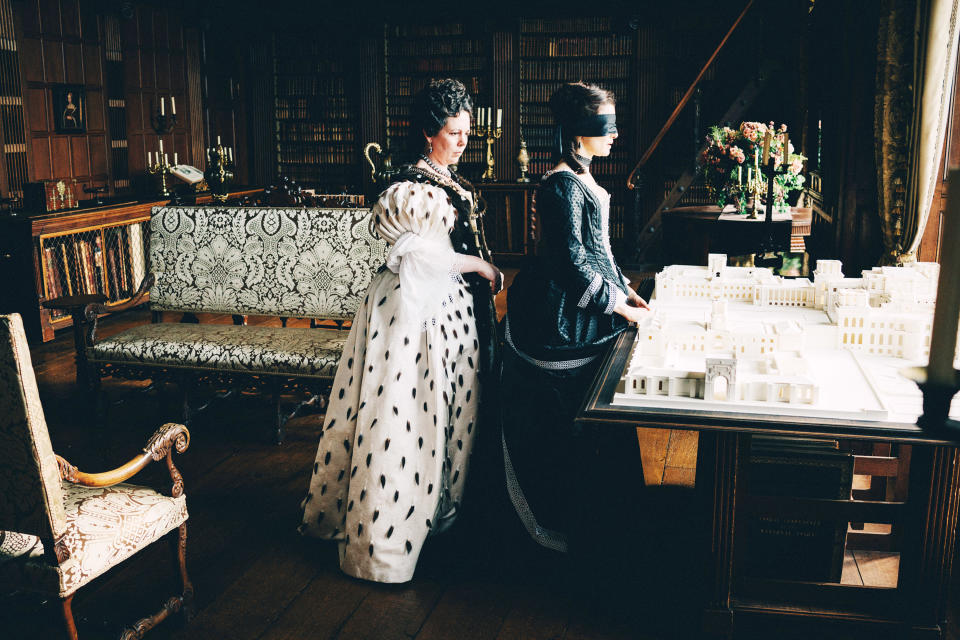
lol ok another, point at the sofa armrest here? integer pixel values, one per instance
(167, 439)
(93, 311)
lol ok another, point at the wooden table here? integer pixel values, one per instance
(926, 520)
(690, 233)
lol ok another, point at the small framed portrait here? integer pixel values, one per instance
(69, 108)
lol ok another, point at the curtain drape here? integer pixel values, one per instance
(892, 114)
(935, 62)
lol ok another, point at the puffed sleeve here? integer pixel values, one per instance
(415, 219)
(560, 206)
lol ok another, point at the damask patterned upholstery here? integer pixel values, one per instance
(30, 496)
(98, 527)
(105, 526)
(289, 352)
(301, 263)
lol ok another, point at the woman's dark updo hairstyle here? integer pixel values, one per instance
(571, 103)
(439, 100)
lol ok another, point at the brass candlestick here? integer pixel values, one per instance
(483, 127)
(523, 158)
(161, 167)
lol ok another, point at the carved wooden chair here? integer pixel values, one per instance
(59, 527)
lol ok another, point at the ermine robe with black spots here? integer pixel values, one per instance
(399, 427)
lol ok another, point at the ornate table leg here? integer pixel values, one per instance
(717, 459)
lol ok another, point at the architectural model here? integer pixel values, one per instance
(722, 335)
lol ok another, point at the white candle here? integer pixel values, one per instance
(161, 105)
(161, 145)
(218, 141)
(766, 147)
(480, 117)
(165, 159)
(499, 117)
(230, 153)
(175, 160)
(943, 340)
(489, 116)
(149, 158)
(173, 105)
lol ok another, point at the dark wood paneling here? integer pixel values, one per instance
(53, 60)
(30, 18)
(98, 156)
(138, 153)
(31, 52)
(50, 18)
(70, 18)
(90, 23)
(41, 158)
(134, 113)
(60, 154)
(37, 110)
(95, 111)
(178, 73)
(163, 71)
(148, 69)
(79, 156)
(73, 62)
(145, 20)
(92, 66)
(131, 69)
(160, 33)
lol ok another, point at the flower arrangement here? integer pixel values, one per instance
(732, 167)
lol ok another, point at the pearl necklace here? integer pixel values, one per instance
(442, 171)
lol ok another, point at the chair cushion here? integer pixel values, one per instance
(217, 347)
(105, 526)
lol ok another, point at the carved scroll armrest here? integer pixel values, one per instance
(167, 439)
(93, 311)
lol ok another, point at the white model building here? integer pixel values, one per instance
(741, 334)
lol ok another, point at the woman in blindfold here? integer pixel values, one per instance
(563, 309)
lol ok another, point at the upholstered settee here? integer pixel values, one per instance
(283, 262)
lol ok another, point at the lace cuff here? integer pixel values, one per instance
(456, 268)
(590, 291)
(616, 298)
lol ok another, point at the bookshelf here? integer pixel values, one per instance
(315, 113)
(415, 54)
(554, 51)
(103, 250)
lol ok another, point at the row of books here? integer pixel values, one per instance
(590, 70)
(316, 132)
(316, 155)
(418, 48)
(286, 111)
(307, 65)
(551, 46)
(307, 85)
(436, 65)
(405, 86)
(549, 25)
(541, 92)
(419, 30)
(79, 264)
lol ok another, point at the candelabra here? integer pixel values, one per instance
(160, 121)
(484, 128)
(161, 167)
(219, 173)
